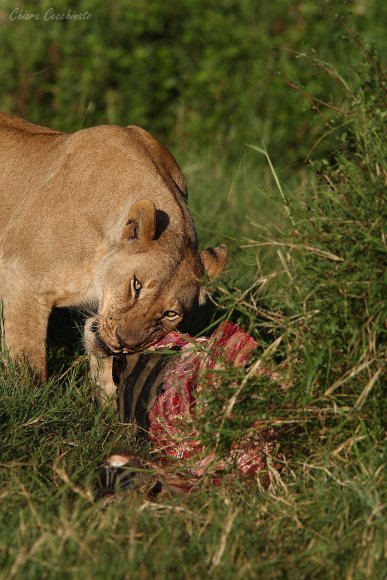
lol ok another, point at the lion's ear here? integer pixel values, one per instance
(141, 221)
(214, 259)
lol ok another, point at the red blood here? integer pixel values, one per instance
(172, 428)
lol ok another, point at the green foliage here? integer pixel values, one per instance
(323, 313)
(325, 303)
(338, 286)
(184, 70)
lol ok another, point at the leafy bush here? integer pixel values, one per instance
(325, 305)
(183, 70)
(337, 291)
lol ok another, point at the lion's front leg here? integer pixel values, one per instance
(100, 367)
(25, 330)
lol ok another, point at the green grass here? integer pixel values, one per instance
(307, 279)
(322, 520)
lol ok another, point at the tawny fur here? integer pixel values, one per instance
(80, 215)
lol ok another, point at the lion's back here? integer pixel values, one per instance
(67, 188)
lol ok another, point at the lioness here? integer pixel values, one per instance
(95, 219)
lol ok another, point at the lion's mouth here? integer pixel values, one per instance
(103, 346)
(106, 349)
(126, 349)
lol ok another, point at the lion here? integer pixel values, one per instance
(96, 220)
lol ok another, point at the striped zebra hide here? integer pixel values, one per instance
(139, 379)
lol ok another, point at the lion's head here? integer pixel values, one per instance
(146, 286)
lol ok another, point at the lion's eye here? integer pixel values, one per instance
(170, 314)
(136, 285)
